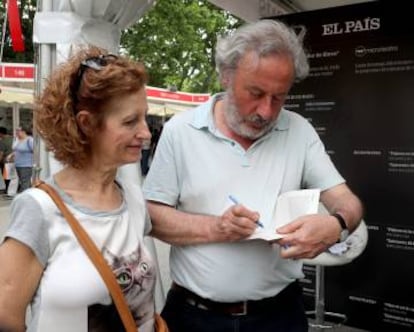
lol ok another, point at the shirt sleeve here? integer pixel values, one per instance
(28, 225)
(320, 172)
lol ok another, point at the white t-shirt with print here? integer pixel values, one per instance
(72, 296)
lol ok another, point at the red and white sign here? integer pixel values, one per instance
(181, 97)
(17, 72)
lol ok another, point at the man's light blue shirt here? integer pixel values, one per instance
(195, 168)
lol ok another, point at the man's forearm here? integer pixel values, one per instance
(180, 228)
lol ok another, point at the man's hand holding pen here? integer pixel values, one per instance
(236, 223)
(236, 201)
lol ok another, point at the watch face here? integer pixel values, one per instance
(344, 235)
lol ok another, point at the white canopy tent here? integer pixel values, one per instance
(11, 95)
(12, 100)
(253, 10)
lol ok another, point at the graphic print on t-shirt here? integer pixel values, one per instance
(136, 276)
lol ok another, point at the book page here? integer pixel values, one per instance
(290, 205)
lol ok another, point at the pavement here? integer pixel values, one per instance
(162, 252)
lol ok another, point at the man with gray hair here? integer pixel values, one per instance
(244, 143)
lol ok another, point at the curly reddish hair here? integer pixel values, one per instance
(73, 87)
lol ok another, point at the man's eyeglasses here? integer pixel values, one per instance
(96, 63)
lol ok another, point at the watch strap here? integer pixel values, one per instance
(340, 219)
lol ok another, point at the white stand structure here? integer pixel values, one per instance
(354, 246)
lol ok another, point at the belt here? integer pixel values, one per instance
(235, 308)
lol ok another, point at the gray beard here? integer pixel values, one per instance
(239, 125)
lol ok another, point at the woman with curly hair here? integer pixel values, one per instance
(92, 116)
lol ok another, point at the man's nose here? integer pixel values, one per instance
(265, 109)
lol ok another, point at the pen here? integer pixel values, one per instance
(235, 201)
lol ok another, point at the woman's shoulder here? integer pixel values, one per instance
(31, 199)
(28, 222)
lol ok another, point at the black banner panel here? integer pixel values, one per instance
(360, 98)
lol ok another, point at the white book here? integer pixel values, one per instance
(290, 205)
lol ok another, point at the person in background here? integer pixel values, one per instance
(148, 150)
(6, 142)
(244, 143)
(22, 156)
(145, 159)
(156, 133)
(91, 115)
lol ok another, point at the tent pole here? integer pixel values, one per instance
(45, 57)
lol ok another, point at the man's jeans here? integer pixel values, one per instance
(287, 315)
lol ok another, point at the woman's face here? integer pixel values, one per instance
(124, 130)
(20, 133)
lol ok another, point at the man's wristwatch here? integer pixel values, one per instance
(344, 232)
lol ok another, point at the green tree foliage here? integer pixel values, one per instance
(176, 40)
(27, 10)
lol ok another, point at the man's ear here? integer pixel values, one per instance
(85, 122)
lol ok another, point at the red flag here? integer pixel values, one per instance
(15, 27)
